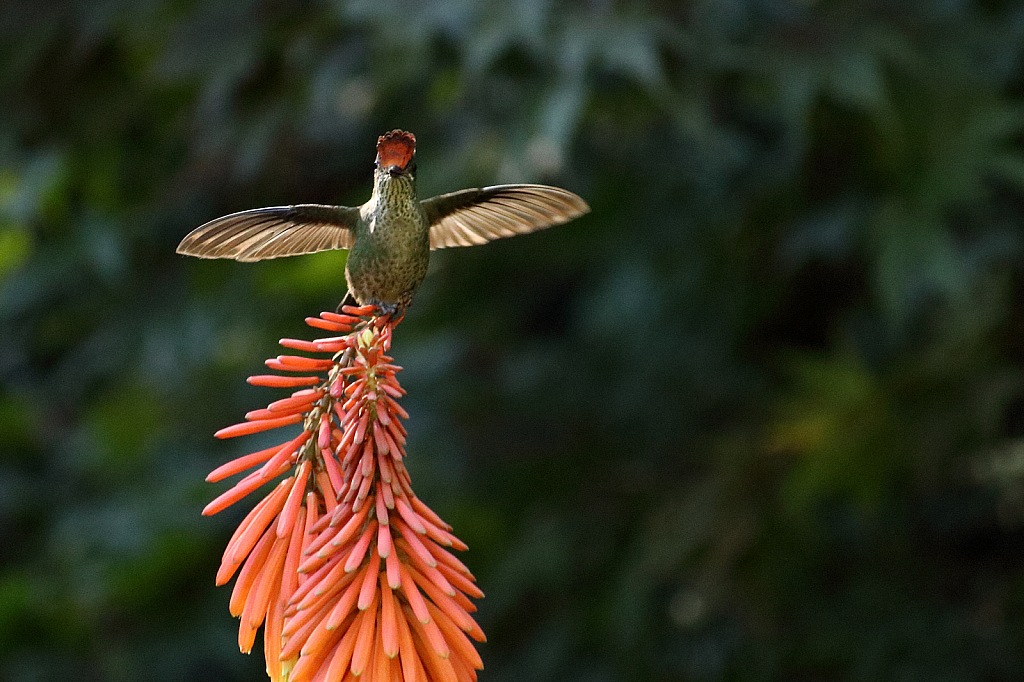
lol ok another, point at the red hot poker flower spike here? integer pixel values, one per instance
(347, 570)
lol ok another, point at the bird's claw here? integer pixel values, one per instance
(387, 309)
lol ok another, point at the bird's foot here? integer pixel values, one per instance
(392, 313)
(395, 310)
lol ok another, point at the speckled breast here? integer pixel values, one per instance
(381, 279)
(388, 263)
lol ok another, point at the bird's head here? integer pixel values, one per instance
(395, 151)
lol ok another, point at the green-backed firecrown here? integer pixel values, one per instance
(390, 237)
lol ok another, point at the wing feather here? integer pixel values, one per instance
(477, 216)
(273, 232)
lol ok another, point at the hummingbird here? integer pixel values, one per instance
(389, 238)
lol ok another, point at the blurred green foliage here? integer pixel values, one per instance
(759, 416)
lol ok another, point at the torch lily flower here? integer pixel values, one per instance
(349, 573)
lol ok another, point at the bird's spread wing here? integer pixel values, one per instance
(476, 216)
(273, 232)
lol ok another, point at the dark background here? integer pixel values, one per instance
(759, 416)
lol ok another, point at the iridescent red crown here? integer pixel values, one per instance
(395, 148)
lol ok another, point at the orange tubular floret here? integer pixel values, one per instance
(284, 455)
(359, 550)
(326, 648)
(246, 638)
(243, 527)
(328, 325)
(434, 650)
(364, 490)
(295, 623)
(234, 494)
(346, 603)
(378, 437)
(290, 512)
(391, 390)
(463, 671)
(313, 563)
(412, 667)
(250, 612)
(334, 477)
(327, 346)
(466, 605)
(459, 581)
(443, 556)
(240, 464)
(384, 542)
(395, 407)
(444, 601)
(325, 521)
(343, 341)
(443, 537)
(429, 572)
(388, 618)
(307, 632)
(364, 640)
(298, 363)
(250, 571)
(413, 596)
(261, 591)
(286, 584)
(368, 589)
(455, 637)
(398, 434)
(321, 587)
(392, 444)
(428, 513)
(387, 474)
(245, 428)
(360, 432)
(367, 463)
(261, 414)
(411, 542)
(272, 634)
(379, 662)
(349, 530)
(296, 403)
(319, 640)
(343, 319)
(306, 666)
(313, 504)
(388, 494)
(309, 581)
(299, 344)
(342, 655)
(239, 547)
(357, 311)
(290, 579)
(381, 505)
(329, 497)
(409, 516)
(393, 572)
(276, 381)
(325, 612)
